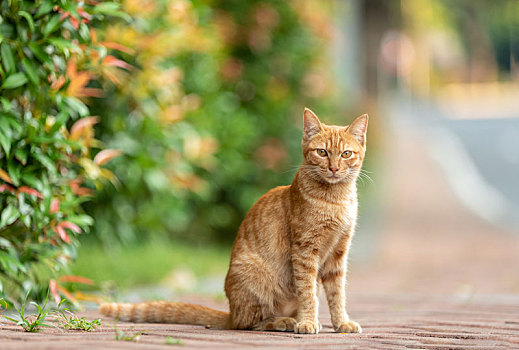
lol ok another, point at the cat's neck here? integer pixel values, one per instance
(334, 193)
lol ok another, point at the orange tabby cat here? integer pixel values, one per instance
(292, 241)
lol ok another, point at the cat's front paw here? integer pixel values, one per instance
(349, 327)
(307, 327)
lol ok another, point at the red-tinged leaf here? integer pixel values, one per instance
(30, 191)
(88, 297)
(78, 80)
(62, 233)
(71, 68)
(74, 22)
(70, 225)
(67, 294)
(75, 186)
(53, 287)
(75, 279)
(64, 15)
(113, 77)
(91, 92)
(81, 126)
(77, 84)
(58, 83)
(115, 62)
(54, 206)
(106, 155)
(93, 36)
(83, 191)
(83, 13)
(6, 187)
(5, 176)
(118, 47)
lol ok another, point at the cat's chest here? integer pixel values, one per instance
(337, 217)
(328, 216)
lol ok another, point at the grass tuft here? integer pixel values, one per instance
(32, 323)
(70, 321)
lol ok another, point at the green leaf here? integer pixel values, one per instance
(106, 7)
(61, 119)
(14, 172)
(11, 319)
(45, 8)
(32, 180)
(84, 32)
(40, 310)
(112, 9)
(52, 25)
(7, 58)
(62, 44)
(44, 139)
(15, 80)
(5, 142)
(6, 30)
(28, 18)
(26, 219)
(31, 72)
(6, 104)
(9, 215)
(46, 162)
(21, 155)
(77, 106)
(15, 124)
(38, 52)
(81, 220)
(4, 125)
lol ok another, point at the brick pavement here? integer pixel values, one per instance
(389, 322)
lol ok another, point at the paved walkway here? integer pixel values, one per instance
(440, 279)
(390, 322)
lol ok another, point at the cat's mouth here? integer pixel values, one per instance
(334, 178)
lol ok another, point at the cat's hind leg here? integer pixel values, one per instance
(282, 324)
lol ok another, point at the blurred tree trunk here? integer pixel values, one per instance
(378, 17)
(482, 58)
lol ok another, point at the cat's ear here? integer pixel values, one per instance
(358, 129)
(311, 124)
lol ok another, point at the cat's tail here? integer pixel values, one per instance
(166, 312)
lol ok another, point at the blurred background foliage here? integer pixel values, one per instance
(208, 118)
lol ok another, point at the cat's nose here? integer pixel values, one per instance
(333, 170)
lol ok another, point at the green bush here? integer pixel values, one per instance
(49, 59)
(209, 119)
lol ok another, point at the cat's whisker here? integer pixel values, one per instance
(362, 175)
(363, 179)
(365, 176)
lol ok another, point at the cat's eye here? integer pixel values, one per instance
(346, 154)
(322, 152)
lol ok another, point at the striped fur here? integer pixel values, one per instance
(293, 241)
(164, 312)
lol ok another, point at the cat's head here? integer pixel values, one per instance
(333, 154)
